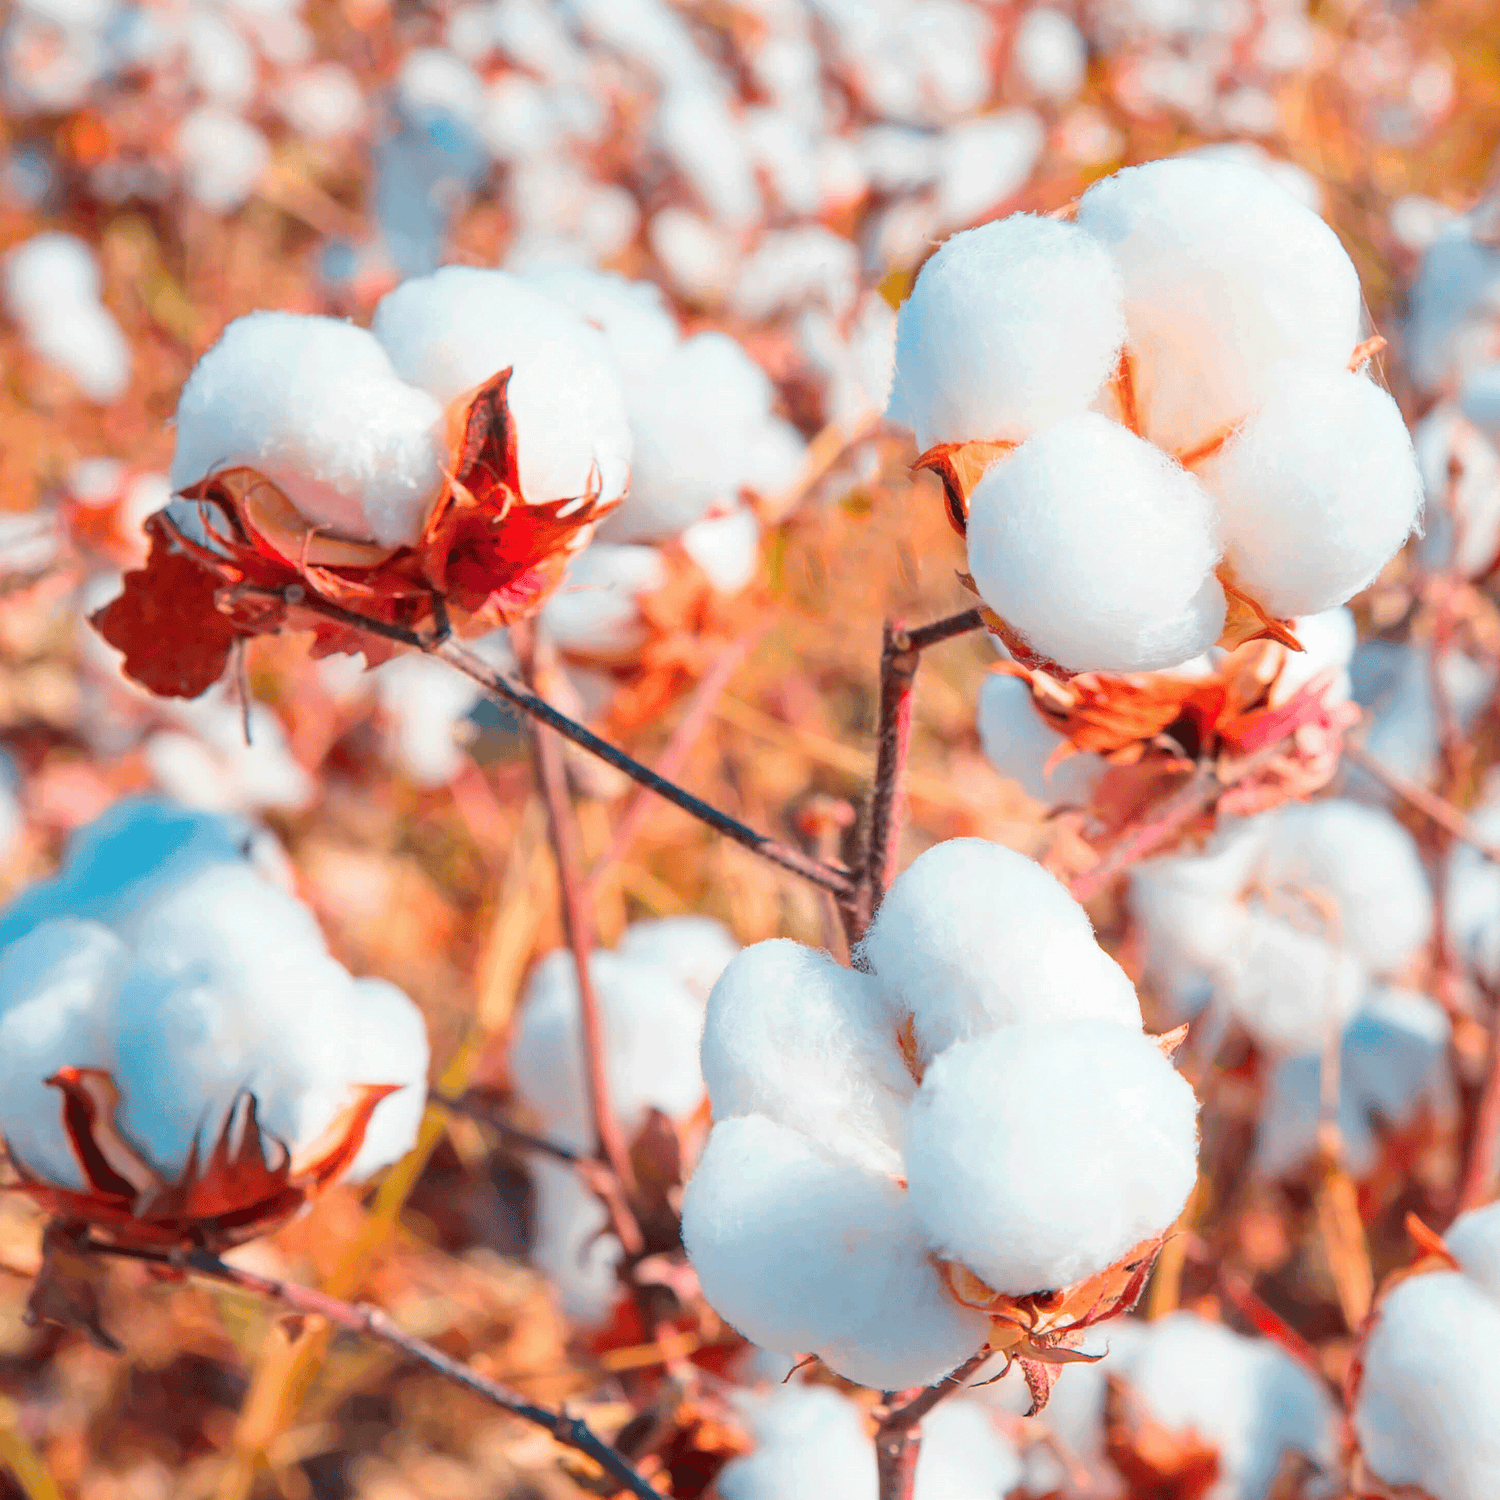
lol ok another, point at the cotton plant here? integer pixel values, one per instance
(1461, 475)
(1044, 362)
(888, 1182)
(651, 991)
(186, 1064)
(1471, 896)
(1426, 1378)
(1452, 327)
(1285, 919)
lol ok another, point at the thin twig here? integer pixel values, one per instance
(939, 631)
(360, 1317)
(1438, 809)
(898, 1437)
(1483, 1164)
(483, 1114)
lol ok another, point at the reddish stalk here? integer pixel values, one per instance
(1483, 1164)
(898, 1438)
(1429, 804)
(361, 1318)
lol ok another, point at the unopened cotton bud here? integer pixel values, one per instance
(315, 406)
(1224, 276)
(1098, 548)
(1038, 1155)
(1009, 327)
(1316, 491)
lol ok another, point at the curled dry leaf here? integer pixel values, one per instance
(1155, 1460)
(246, 1182)
(486, 557)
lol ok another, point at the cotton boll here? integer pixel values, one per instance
(1430, 1389)
(1473, 1238)
(1050, 53)
(1224, 277)
(323, 103)
(1040, 1154)
(632, 315)
(791, 267)
(56, 986)
(1317, 491)
(1009, 327)
(791, 1035)
(426, 703)
(1301, 185)
(963, 1456)
(1098, 549)
(223, 157)
(694, 128)
(1471, 898)
(696, 950)
(727, 548)
(802, 1251)
(983, 162)
(571, 1244)
(315, 406)
(387, 1044)
(651, 1024)
(455, 329)
(810, 1444)
(596, 608)
(1460, 472)
(972, 937)
(698, 257)
(1020, 743)
(1246, 1397)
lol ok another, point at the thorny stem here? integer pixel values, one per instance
(1429, 804)
(898, 1438)
(360, 1317)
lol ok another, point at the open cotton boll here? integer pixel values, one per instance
(1430, 1390)
(972, 937)
(315, 406)
(963, 1456)
(984, 161)
(1471, 898)
(1453, 304)
(1461, 477)
(1049, 52)
(1393, 1065)
(1474, 1240)
(1098, 548)
(810, 1444)
(793, 267)
(223, 157)
(1040, 1154)
(791, 1035)
(571, 1244)
(696, 950)
(455, 329)
(1020, 743)
(1224, 275)
(1480, 400)
(727, 548)
(1246, 1397)
(425, 702)
(651, 1024)
(1329, 639)
(1010, 326)
(387, 1041)
(1318, 490)
(804, 1251)
(632, 315)
(596, 609)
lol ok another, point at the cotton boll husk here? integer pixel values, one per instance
(1318, 490)
(1040, 1154)
(1098, 548)
(1393, 1063)
(1246, 1397)
(314, 405)
(1474, 1240)
(963, 1456)
(56, 985)
(1430, 1390)
(972, 936)
(727, 548)
(1019, 744)
(1010, 326)
(651, 1024)
(453, 330)
(696, 950)
(571, 1244)
(810, 1444)
(1224, 276)
(791, 1035)
(1461, 521)
(596, 608)
(802, 1251)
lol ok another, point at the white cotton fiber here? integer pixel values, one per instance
(1040, 1154)
(810, 1444)
(695, 949)
(1098, 549)
(1009, 327)
(424, 702)
(314, 405)
(1474, 1240)
(632, 315)
(984, 161)
(973, 936)
(1020, 743)
(1317, 492)
(1329, 639)
(1430, 1391)
(1050, 53)
(571, 1243)
(792, 267)
(1471, 898)
(727, 548)
(650, 1022)
(1480, 400)
(595, 610)
(1461, 477)
(1246, 1397)
(805, 1252)
(963, 1455)
(455, 329)
(223, 157)
(791, 1035)
(1224, 275)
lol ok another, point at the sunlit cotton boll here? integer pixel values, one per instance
(1473, 1239)
(1317, 491)
(223, 157)
(1224, 276)
(314, 405)
(1098, 549)
(455, 329)
(1010, 326)
(1020, 744)
(596, 611)
(695, 950)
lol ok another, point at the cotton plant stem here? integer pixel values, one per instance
(1483, 1165)
(1429, 804)
(898, 1437)
(362, 1318)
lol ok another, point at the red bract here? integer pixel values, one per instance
(487, 557)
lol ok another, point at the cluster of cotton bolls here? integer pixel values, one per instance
(651, 991)
(885, 1142)
(166, 953)
(1429, 1372)
(1163, 390)
(1286, 920)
